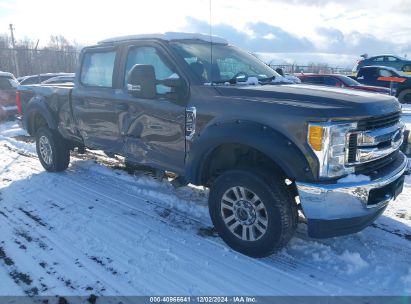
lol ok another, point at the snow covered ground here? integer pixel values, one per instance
(95, 229)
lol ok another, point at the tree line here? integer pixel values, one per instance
(58, 55)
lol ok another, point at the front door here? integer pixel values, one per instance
(154, 129)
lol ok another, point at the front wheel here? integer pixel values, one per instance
(52, 150)
(405, 96)
(253, 212)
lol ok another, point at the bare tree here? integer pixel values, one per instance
(59, 55)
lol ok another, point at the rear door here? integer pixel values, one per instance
(153, 129)
(95, 105)
(368, 76)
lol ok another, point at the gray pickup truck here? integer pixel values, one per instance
(217, 116)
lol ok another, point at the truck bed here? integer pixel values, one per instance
(56, 96)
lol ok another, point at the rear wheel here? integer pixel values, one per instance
(52, 150)
(405, 96)
(253, 212)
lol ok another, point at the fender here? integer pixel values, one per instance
(262, 138)
(38, 105)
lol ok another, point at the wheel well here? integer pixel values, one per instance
(406, 90)
(228, 156)
(36, 121)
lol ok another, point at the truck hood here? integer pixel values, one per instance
(332, 103)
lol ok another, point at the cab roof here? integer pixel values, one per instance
(168, 36)
(6, 74)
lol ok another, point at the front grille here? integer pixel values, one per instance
(352, 148)
(370, 167)
(379, 122)
(368, 125)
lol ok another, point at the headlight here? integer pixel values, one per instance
(329, 143)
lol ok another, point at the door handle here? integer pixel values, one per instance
(121, 106)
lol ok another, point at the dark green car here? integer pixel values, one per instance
(396, 62)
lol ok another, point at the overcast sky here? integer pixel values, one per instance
(349, 27)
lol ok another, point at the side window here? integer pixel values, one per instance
(149, 55)
(406, 68)
(97, 69)
(369, 73)
(381, 58)
(313, 80)
(330, 81)
(392, 59)
(385, 73)
(5, 83)
(30, 80)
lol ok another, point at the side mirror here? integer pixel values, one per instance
(171, 82)
(141, 81)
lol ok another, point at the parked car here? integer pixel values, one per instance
(396, 62)
(341, 81)
(8, 87)
(230, 125)
(36, 79)
(69, 78)
(372, 76)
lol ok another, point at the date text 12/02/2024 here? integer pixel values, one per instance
(203, 299)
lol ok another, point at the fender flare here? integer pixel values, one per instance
(285, 153)
(37, 105)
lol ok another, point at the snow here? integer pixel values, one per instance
(95, 229)
(6, 74)
(169, 36)
(250, 81)
(352, 178)
(293, 78)
(407, 280)
(353, 261)
(174, 76)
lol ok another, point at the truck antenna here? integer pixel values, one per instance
(211, 47)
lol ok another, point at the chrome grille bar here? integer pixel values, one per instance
(374, 144)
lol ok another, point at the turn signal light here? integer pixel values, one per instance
(315, 137)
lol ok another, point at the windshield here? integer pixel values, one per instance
(349, 81)
(229, 63)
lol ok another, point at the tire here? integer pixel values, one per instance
(52, 150)
(405, 96)
(278, 212)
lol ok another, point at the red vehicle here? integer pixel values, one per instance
(341, 81)
(8, 87)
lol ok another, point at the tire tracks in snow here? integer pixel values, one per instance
(280, 262)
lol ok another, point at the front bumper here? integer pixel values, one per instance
(343, 208)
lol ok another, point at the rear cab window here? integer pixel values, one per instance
(97, 68)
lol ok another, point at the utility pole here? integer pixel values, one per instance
(13, 42)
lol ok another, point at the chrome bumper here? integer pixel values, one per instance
(338, 201)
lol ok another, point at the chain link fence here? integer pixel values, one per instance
(31, 62)
(313, 68)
